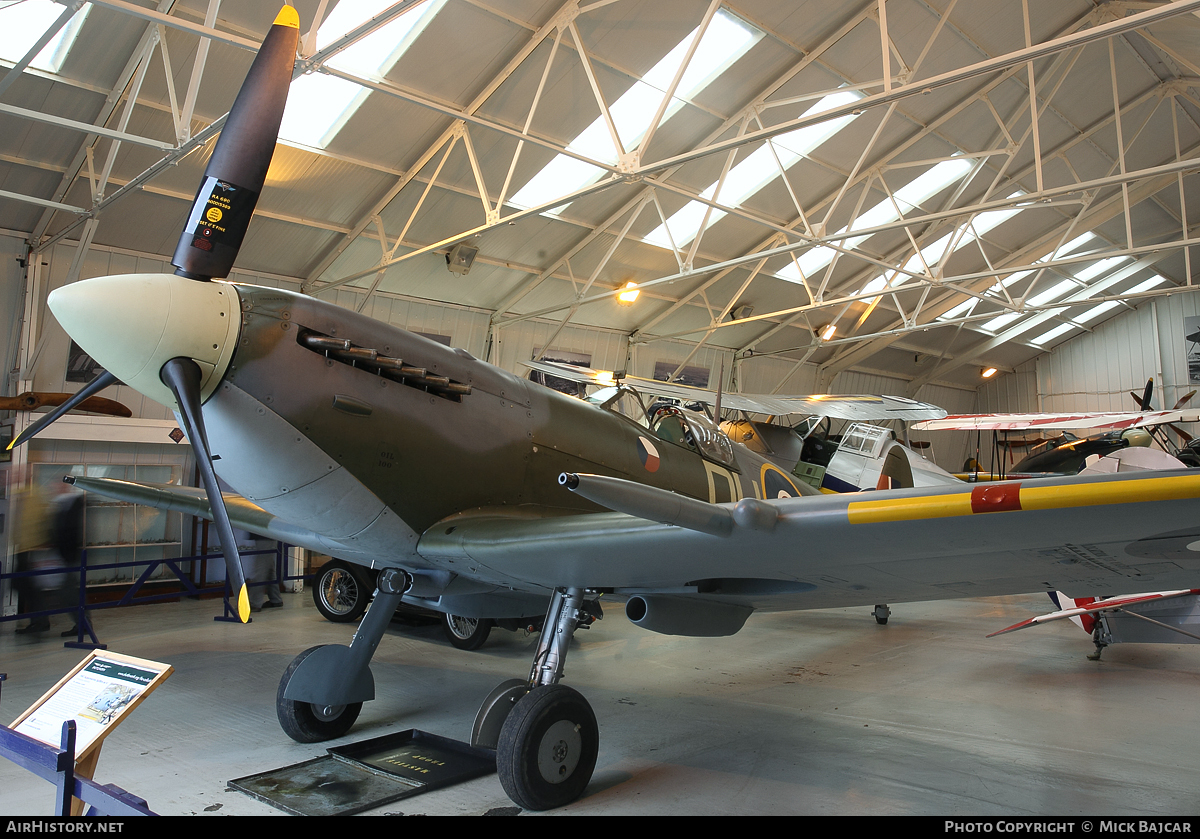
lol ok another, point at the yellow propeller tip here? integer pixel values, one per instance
(243, 604)
(287, 16)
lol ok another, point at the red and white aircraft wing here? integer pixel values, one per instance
(1107, 604)
(1081, 419)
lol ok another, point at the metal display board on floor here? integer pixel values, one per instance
(375, 772)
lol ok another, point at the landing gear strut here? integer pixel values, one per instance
(323, 689)
(544, 733)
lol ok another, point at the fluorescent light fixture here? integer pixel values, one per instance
(726, 40)
(22, 24)
(987, 372)
(626, 298)
(319, 105)
(755, 172)
(826, 332)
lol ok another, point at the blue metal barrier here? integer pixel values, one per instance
(131, 596)
(58, 767)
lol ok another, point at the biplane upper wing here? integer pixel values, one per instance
(849, 407)
(1079, 419)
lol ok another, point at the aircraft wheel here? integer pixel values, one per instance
(466, 633)
(339, 595)
(882, 613)
(548, 747)
(305, 722)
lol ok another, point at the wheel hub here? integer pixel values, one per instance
(462, 627)
(559, 752)
(327, 713)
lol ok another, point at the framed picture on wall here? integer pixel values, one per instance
(1191, 348)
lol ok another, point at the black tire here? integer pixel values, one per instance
(305, 722)
(466, 633)
(548, 747)
(340, 595)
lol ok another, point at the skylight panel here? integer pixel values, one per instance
(1053, 293)
(909, 197)
(968, 306)
(319, 105)
(22, 24)
(726, 40)
(1096, 269)
(998, 323)
(1047, 337)
(755, 172)
(934, 253)
(1096, 311)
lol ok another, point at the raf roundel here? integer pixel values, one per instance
(648, 454)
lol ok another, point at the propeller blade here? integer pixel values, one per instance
(182, 376)
(1183, 400)
(1147, 394)
(31, 400)
(225, 201)
(94, 386)
(1183, 435)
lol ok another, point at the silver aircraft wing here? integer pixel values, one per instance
(849, 407)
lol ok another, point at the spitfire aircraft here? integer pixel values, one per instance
(476, 492)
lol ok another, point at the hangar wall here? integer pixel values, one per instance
(1097, 370)
(12, 302)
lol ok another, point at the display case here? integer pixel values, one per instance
(118, 531)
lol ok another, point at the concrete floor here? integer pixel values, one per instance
(801, 713)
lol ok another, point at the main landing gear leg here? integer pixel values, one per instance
(544, 733)
(323, 689)
(1099, 638)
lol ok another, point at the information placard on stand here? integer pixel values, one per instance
(98, 694)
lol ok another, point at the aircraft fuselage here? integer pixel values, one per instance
(429, 431)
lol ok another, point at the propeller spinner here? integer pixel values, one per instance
(167, 336)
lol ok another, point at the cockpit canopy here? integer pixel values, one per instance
(680, 426)
(696, 431)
